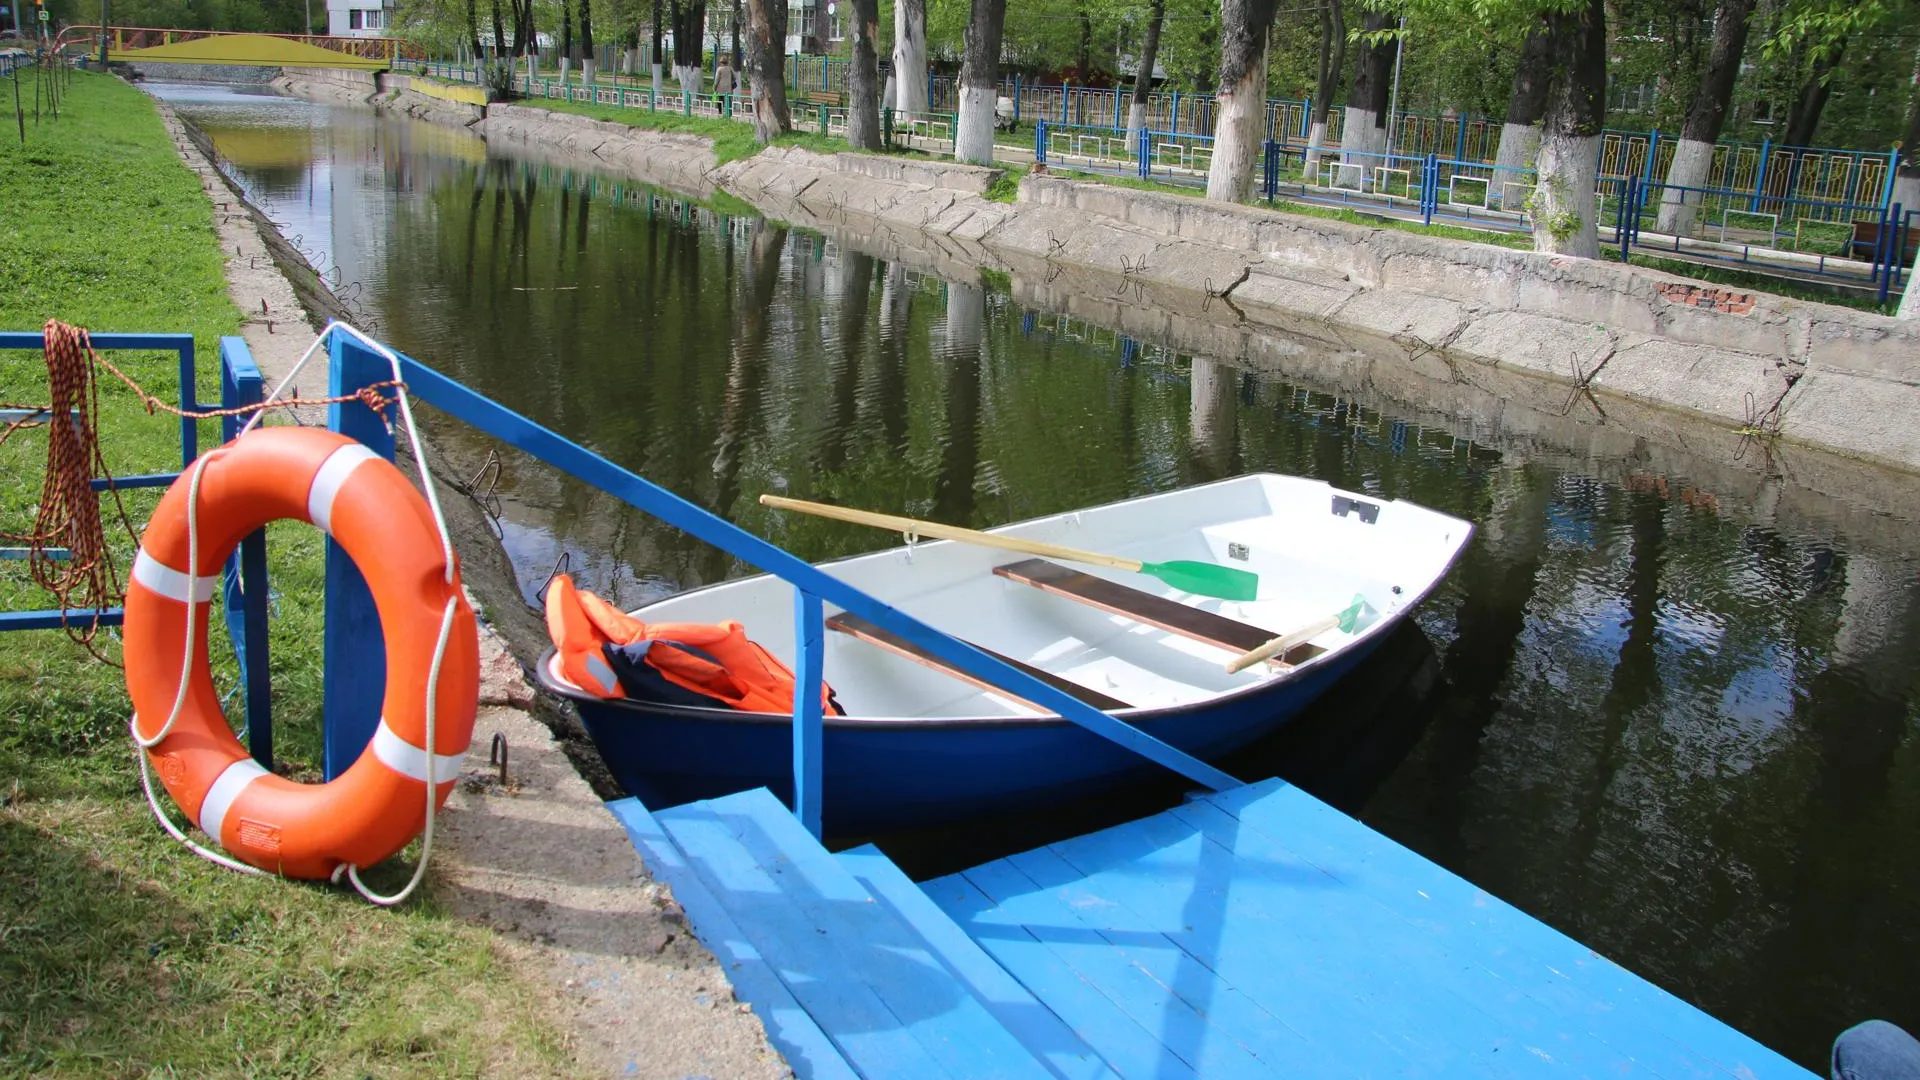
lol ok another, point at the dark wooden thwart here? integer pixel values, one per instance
(1157, 611)
(855, 626)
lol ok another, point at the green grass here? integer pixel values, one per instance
(1006, 187)
(121, 954)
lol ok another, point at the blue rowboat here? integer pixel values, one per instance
(923, 745)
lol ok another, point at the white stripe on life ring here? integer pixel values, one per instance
(233, 780)
(330, 479)
(409, 760)
(171, 583)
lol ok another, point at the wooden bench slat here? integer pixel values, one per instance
(855, 626)
(1157, 611)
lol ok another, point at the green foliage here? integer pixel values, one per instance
(1006, 186)
(124, 954)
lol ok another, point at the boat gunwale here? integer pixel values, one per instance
(554, 684)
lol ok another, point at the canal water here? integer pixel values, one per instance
(1679, 729)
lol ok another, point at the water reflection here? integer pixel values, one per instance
(1683, 735)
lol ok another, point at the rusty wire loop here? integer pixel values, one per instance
(69, 513)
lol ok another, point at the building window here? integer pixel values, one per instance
(366, 19)
(803, 23)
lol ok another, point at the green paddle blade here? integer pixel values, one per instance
(1357, 616)
(1225, 582)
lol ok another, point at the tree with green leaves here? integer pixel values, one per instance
(909, 58)
(979, 82)
(1143, 77)
(1363, 132)
(1573, 64)
(1332, 58)
(767, 65)
(1693, 156)
(1241, 101)
(863, 78)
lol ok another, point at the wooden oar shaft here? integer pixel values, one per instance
(1281, 645)
(938, 531)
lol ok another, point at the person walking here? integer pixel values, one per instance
(723, 84)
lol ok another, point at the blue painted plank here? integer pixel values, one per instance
(1017, 1010)
(1367, 985)
(789, 1028)
(888, 1005)
(940, 1012)
(1117, 972)
(1154, 946)
(1521, 949)
(1133, 1051)
(53, 619)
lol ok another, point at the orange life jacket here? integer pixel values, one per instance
(609, 653)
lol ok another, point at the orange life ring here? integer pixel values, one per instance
(379, 803)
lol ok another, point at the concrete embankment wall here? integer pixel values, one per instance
(222, 74)
(459, 106)
(1590, 341)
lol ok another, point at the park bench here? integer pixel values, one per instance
(1866, 242)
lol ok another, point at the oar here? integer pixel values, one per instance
(1356, 615)
(1206, 579)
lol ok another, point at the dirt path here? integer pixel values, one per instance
(537, 858)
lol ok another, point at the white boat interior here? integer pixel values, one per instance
(1315, 548)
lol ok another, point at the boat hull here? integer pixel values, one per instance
(885, 776)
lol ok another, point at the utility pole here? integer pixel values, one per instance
(1393, 107)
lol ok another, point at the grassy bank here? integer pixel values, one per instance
(732, 139)
(120, 952)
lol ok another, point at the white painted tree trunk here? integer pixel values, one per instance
(1678, 209)
(973, 135)
(1361, 143)
(1518, 144)
(909, 59)
(1564, 211)
(586, 71)
(692, 79)
(1237, 128)
(659, 76)
(1909, 309)
(1136, 123)
(1316, 145)
(629, 61)
(1906, 190)
(566, 66)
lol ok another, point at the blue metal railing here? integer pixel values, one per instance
(245, 589)
(356, 663)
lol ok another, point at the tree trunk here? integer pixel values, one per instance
(588, 58)
(1242, 100)
(1333, 58)
(767, 61)
(658, 57)
(1363, 136)
(863, 79)
(909, 59)
(1705, 117)
(1143, 79)
(1805, 119)
(1520, 136)
(739, 60)
(1906, 181)
(1564, 214)
(1083, 61)
(979, 83)
(566, 38)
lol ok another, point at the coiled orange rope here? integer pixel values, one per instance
(69, 514)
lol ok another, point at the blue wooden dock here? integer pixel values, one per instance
(1251, 933)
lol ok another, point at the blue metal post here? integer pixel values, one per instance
(355, 649)
(1016, 99)
(1893, 169)
(1065, 92)
(1306, 118)
(1116, 109)
(809, 735)
(1175, 122)
(1460, 138)
(1040, 143)
(1146, 152)
(1884, 252)
(1653, 151)
(189, 402)
(244, 589)
(1760, 175)
(1430, 184)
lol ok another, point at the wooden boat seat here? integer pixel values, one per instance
(1157, 611)
(857, 627)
